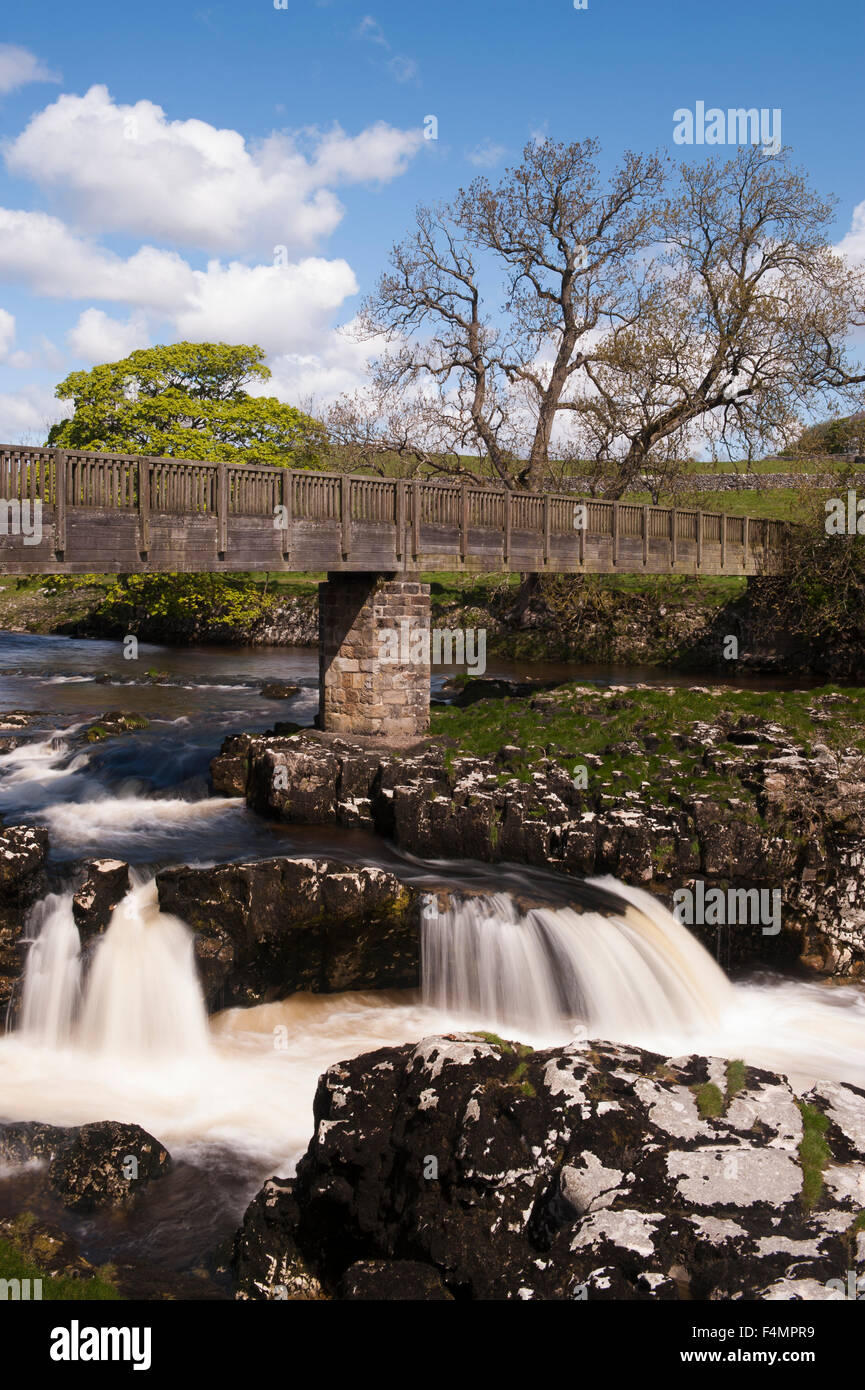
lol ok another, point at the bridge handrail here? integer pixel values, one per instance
(72, 478)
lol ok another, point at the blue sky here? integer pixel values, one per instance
(154, 156)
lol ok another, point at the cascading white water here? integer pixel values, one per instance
(52, 980)
(27, 772)
(636, 976)
(129, 820)
(638, 972)
(141, 997)
(125, 1036)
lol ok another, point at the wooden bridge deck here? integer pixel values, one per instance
(120, 514)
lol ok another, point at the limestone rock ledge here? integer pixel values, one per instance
(472, 1168)
(798, 825)
(269, 928)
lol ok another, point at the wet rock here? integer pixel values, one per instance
(400, 1280)
(106, 1165)
(20, 719)
(272, 927)
(107, 883)
(228, 770)
(279, 690)
(113, 723)
(29, 1139)
(23, 852)
(268, 1263)
(89, 1166)
(589, 1171)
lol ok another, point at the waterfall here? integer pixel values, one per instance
(142, 995)
(635, 973)
(633, 976)
(52, 978)
(140, 998)
(119, 1031)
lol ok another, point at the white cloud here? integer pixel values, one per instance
(284, 308)
(41, 252)
(486, 154)
(7, 333)
(376, 155)
(129, 168)
(28, 414)
(852, 245)
(400, 66)
(336, 364)
(97, 337)
(18, 67)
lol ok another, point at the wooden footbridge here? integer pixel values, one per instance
(119, 514)
(68, 512)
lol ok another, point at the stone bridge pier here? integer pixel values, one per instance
(374, 654)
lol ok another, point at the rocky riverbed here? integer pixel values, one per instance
(470, 1167)
(732, 799)
(466, 1165)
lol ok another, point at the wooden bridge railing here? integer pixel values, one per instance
(69, 479)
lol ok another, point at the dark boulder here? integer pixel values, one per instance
(267, 1261)
(269, 928)
(105, 1164)
(26, 1139)
(106, 885)
(593, 1171)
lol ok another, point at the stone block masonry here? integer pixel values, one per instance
(360, 694)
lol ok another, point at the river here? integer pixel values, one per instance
(122, 1033)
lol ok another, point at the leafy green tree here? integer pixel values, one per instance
(187, 400)
(185, 605)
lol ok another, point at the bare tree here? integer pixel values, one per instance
(558, 249)
(624, 322)
(747, 330)
(391, 436)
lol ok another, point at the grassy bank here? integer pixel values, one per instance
(631, 619)
(631, 740)
(28, 1250)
